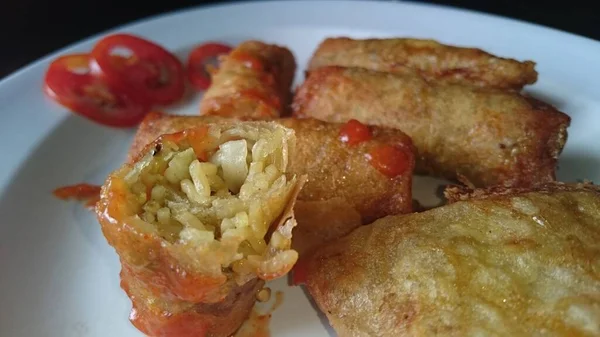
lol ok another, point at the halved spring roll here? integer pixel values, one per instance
(484, 135)
(201, 213)
(509, 262)
(432, 60)
(159, 316)
(252, 82)
(343, 183)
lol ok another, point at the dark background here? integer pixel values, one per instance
(30, 29)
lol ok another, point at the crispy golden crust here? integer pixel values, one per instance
(461, 193)
(253, 82)
(513, 265)
(160, 317)
(334, 169)
(428, 58)
(488, 136)
(321, 222)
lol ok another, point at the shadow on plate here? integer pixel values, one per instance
(322, 317)
(556, 102)
(578, 167)
(429, 191)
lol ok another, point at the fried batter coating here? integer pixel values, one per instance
(167, 317)
(433, 61)
(252, 82)
(510, 262)
(320, 222)
(339, 176)
(485, 135)
(336, 170)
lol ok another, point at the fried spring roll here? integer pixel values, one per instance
(200, 215)
(252, 82)
(167, 317)
(322, 221)
(511, 263)
(428, 58)
(342, 182)
(487, 136)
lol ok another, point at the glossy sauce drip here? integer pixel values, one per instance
(354, 132)
(86, 193)
(196, 137)
(388, 160)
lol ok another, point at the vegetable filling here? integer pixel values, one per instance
(215, 192)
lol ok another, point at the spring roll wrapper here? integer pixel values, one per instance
(159, 263)
(432, 60)
(253, 81)
(320, 222)
(342, 185)
(528, 258)
(483, 135)
(167, 317)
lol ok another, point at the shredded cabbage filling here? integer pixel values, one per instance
(224, 205)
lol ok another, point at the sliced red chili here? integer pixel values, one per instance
(199, 61)
(68, 81)
(150, 73)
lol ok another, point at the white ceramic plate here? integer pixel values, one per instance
(58, 277)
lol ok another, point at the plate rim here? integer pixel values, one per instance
(24, 74)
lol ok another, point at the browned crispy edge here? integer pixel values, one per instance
(519, 74)
(456, 193)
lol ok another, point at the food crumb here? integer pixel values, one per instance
(257, 324)
(264, 294)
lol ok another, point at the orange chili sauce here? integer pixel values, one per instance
(389, 160)
(86, 193)
(354, 132)
(196, 137)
